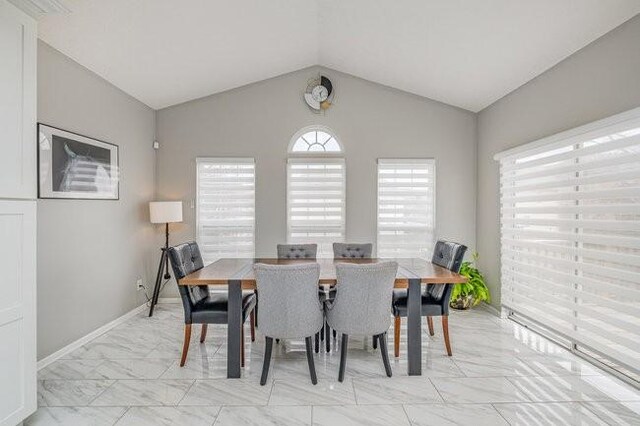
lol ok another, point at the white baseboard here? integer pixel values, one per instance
(491, 309)
(85, 339)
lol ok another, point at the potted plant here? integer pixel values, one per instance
(474, 291)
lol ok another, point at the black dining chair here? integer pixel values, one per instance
(435, 300)
(200, 305)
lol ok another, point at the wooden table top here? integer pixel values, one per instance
(223, 270)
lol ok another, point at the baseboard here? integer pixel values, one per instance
(493, 310)
(169, 300)
(85, 339)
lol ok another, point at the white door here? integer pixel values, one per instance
(18, 41)
(17, 310)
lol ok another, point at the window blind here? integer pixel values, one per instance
(406, 207)
(225, 213)
(570, 238)
(316, 202)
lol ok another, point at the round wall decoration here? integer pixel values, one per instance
(319, 93)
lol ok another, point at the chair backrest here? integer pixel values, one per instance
(185, 259)
(362, 303)
(448, 255)
(352, 251)
(288, 302)
(297, 251)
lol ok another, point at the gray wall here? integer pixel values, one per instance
(91, 252)
(600, 80)
(372, 121)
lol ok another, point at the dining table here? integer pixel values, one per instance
(237, 274)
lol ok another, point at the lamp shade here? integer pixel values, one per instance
(165, 211)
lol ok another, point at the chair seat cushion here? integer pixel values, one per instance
(213, 309)
(430, 306)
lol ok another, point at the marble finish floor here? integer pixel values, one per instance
(500, 374)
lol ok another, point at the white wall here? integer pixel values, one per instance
(90, 252)
(372, 121)
(600, 80)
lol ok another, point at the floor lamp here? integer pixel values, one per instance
(163, 212)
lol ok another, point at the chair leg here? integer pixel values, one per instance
(252, 319)
(396, 337)
(185, 346)
(317, 342)
(445, 331)
(327, 337)
(255, 322)
(322, 333)
(375, 342)
(343, 356)
(335, 334)
(267, 360)
(312, 367)
(242, 346)
(385, 355)
(203, 333)
(430, 325)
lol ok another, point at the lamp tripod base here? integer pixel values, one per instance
(162, 267)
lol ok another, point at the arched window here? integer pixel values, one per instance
(315, 139)
(316, 189)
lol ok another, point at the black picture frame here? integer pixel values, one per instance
(72, 166)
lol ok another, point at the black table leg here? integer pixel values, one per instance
(414, 331)
(234, 326)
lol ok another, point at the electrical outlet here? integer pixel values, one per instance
(139, 284)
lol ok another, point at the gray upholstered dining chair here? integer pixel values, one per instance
(297, 251)
(348, 251)
(352, 251)
(289, 307)
(200, 305)
(362, 305)
(303, 251)
(435, 300)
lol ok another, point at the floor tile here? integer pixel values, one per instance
(356, 415)
(169, 416)
(136, 368)
(297, 392)
(69, 393)
(616, 413)
(477, 390)
(558, 413)
(265, 416)
(574, 388)
(538, 365)
(75, 416)
(131, 375)
(395, 390)
(454, 415)
(144, 392)
(227, 392)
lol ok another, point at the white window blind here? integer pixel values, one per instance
(316, 202)
(570, 238)
(406, 207)
(225, 213)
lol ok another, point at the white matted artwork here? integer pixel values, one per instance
(72, 166)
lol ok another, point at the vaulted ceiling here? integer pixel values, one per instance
(467, 53)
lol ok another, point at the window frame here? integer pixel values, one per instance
(222, 160)
(432, 162)
(577, 334)
(319, 154)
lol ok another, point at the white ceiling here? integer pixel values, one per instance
(467, 53)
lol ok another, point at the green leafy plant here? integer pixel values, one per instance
(475, 286)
